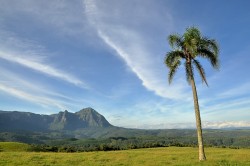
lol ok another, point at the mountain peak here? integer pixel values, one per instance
(93, 118)
(88, 110)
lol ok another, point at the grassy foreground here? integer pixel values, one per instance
(16, 154)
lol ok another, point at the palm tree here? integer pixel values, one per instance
(188, 47)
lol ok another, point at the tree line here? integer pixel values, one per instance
(121, 143)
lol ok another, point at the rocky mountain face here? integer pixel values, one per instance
(85, 118)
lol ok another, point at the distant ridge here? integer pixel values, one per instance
(85, 118)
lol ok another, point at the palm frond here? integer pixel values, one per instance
(211, 44)
(172, 57)
(173, 70)
(200, 70)
(213, 58)
(174, 40)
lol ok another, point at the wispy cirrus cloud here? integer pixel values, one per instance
(32, 91)
(145, 69)
(43, 67)
(44, 101)
(30, 86)
(32, 55)
(132, 46)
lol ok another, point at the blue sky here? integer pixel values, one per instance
(57, 55)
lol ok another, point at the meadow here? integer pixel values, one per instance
(18, 154)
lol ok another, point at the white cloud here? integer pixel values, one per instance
(189, 125)
(133, 47)
(38, 65)
(38, 93)
(226, 124)
(228, 105)
(167, 126)
(32, 55)
(34, 92)
(44, 101)
(28, 85)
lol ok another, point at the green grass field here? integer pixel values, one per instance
(17, 154)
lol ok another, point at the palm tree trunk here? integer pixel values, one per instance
(202, 155)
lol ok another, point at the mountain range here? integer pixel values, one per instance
(85, 118)
(88, 125)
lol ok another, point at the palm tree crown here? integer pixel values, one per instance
(187, 47)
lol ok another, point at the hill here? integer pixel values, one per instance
(13, 147)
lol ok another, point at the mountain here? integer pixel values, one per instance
(85, 118)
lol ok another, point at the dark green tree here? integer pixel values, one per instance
(187, 48)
